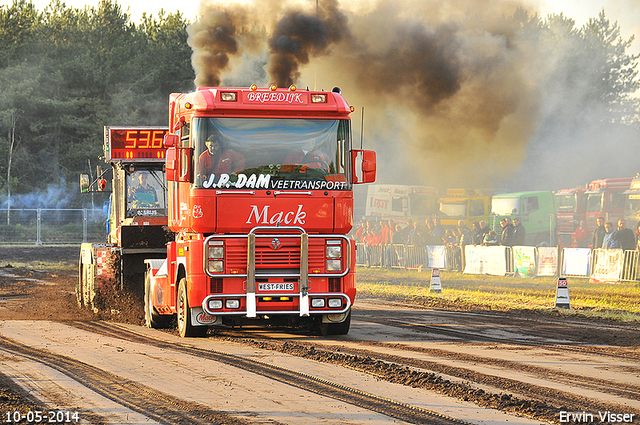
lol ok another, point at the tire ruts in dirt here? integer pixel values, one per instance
(543, 334)
(387, 407)
(158, 406)
(625, 390)
(540, 402)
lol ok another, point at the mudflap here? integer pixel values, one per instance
(200, 318)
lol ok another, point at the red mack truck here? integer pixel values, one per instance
(260, 200)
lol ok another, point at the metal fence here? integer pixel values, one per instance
(409, 257)
(52, 226)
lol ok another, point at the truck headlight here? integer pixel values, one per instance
(216, 252)
(334, 265)
(215, 266)
(233, 304)
(215, 304)
(317, 302)
(335, 302)
(334, 251)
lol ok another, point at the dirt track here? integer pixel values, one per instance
(519, 364)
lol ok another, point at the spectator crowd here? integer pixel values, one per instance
(372, 233)
(431, 232)
(512, 233)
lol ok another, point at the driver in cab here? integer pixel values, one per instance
(143, 194)
(304, 158)
(217, 159)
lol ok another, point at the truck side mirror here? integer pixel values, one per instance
(171, 140)
(84, 183)
(178, 164)
(171, 164)
(367, 170)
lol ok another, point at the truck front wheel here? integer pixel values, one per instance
(336, 328)
(185, 327)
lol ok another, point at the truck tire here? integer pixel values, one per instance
(336, 328)
(151, 317)
(185, 327)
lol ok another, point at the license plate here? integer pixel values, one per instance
(276, 286)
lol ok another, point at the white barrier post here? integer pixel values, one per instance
(562, 294)
(436, 285)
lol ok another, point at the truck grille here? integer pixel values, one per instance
(286, 256)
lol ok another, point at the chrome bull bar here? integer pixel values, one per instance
(302, 276)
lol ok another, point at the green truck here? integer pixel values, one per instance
(535, 210)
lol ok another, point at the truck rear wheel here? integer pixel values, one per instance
(151, 317)
(185, 327)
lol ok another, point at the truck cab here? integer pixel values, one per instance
(535, 210)
(462, 204)
(572, 207)
(260, 199)
(606, 198)
(632, 206)
(401, 203)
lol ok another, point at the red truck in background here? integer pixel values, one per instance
(572, 208)
(260, 200)
(606, 198)
(632, 206)
(601, 198)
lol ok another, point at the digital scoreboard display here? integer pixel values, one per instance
(134, 143)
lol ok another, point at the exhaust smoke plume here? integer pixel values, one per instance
(298, 35)
(454, 90)
(213, 38)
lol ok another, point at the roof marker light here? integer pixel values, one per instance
(318, 98)
(293, 87)
(228, 96)
(253, 87)
(273, 87)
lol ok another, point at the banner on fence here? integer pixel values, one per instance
(576, 261)
(608, 266)
(436, 255)
(485, 260)
(496, 260)
(524, 261)
(474, 259)
(547, 261)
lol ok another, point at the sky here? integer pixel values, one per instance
(625, 12)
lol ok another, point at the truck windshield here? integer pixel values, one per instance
(146, 193)
(567, 203)
(505, 206)
(454, 209)
(594, 202)
(633, 206)
(423, 204)
(270, 153)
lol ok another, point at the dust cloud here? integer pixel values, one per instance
(454, 92)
